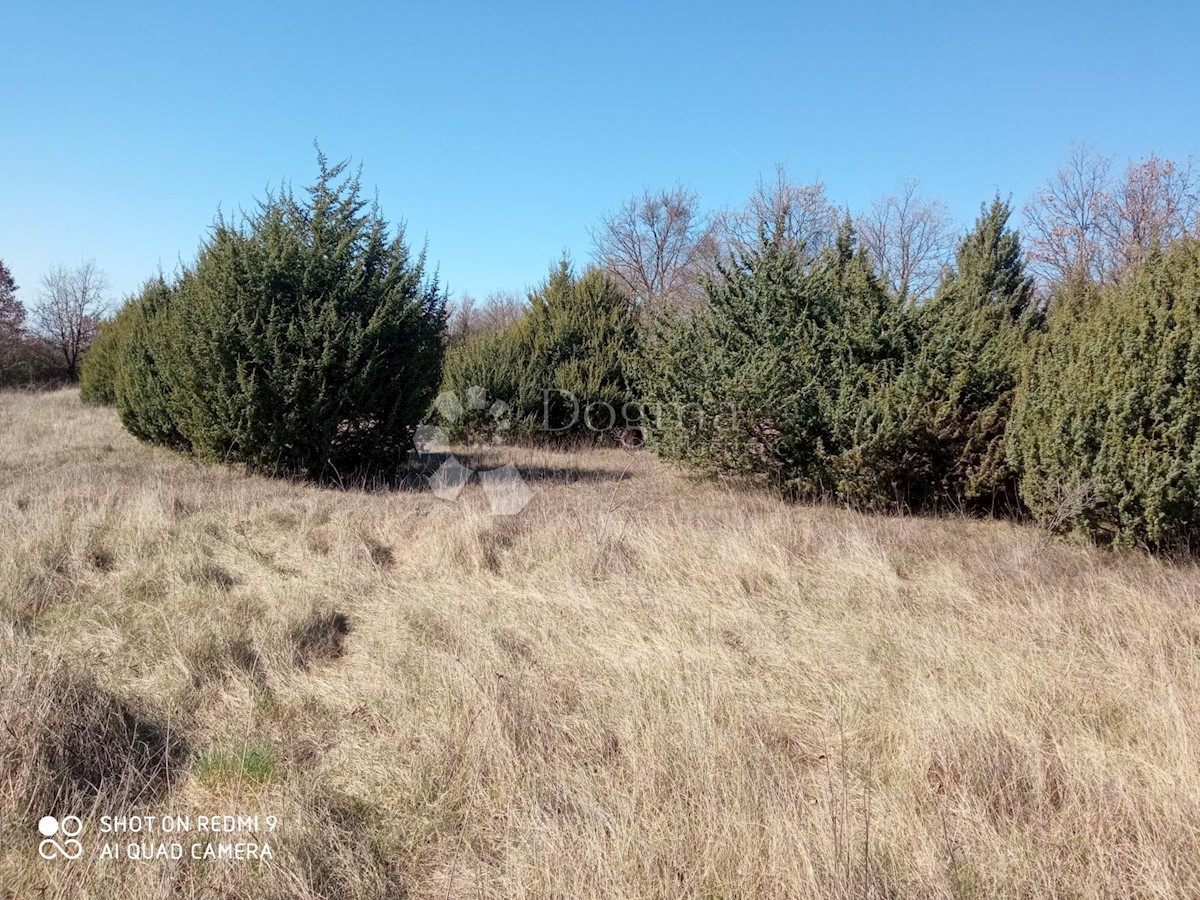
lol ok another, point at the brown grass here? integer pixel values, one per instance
(641, 686)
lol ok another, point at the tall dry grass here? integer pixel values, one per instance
(641, 686)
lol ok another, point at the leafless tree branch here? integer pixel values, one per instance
(70, 306)
(656, 245)
(498, 310)
(799, 215)
(909, 238)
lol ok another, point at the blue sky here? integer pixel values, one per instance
(502, 131)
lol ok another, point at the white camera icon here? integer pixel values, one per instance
(69, 828)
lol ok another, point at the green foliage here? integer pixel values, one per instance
(867, 340)
(808, 375)
(581, 336)
(1106, 424)
(483, 370)
(98, 376)
(768, 379)
(12, 311)
(254, 763)
(938, 431)
(562, 370)
(305, 340)
(725, 385)
(140, 387)
(805, 375)
(670, 375)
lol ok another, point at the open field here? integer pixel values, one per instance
(641, 686)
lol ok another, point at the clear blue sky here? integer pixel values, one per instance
(502, 130)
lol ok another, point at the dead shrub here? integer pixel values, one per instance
(335, 852)
(319, 637)
(219, 653)
(207, 573)
(378, 555)
(487, 546)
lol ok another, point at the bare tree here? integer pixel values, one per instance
(498, 310)
(1087, 223)
(800, 215)
(70, 306)
(909, 239)
(460, 316)
(1066, 221)
(656, 246)
(1156, 202)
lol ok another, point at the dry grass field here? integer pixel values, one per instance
(641, 686)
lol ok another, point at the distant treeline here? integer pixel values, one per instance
(45, 348)
(877, 362)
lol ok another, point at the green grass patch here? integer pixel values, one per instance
(253, 763)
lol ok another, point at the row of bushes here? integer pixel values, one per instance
(307, 339)
(806, 372)
(1084, 410)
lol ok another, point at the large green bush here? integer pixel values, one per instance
(98, 373)
(482, 381)
(1106, 424)
(141, 388)
(937, 434)
(304, 340)
(721, 383)
(769, 378)
(562, 370)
